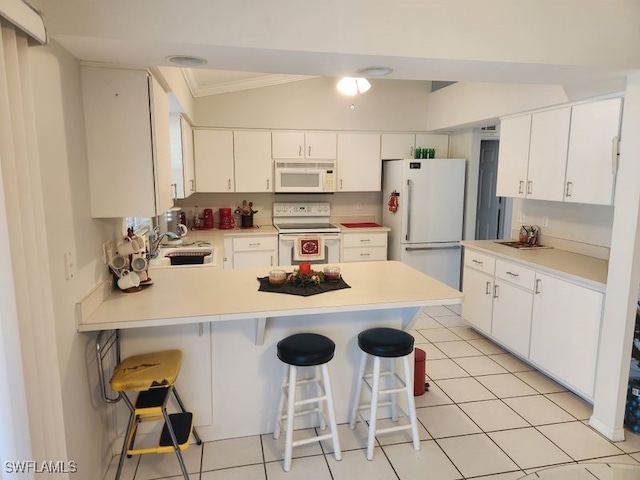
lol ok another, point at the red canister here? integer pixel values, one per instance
(226, 218)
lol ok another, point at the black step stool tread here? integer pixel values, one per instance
(385, 342)
(181, 423)
(154, 397)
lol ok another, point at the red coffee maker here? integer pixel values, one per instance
(226, 219)
(207, 219)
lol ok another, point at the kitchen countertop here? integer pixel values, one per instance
(589, 271)
(197, 294)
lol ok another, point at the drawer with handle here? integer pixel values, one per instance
(364, 240)
(515, 274)
(479, 261)
(255, 243)
(368, 254)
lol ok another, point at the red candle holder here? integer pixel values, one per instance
(304, 268)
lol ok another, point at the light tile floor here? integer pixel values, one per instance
(487, 416)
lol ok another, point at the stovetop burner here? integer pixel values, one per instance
(320, 227)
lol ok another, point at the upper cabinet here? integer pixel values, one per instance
(403, 145)
(253, 164)
(182, 163)
(129, 154)
(304, 145)
(213, 154)
(359, 165)
(564, 154)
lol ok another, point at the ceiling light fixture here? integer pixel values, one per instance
(352, 86)
(186, 60)
(375, 71)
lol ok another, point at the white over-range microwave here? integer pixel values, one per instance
(304, 177)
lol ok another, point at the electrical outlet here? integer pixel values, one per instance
(522, 217)
(108, 251)
(69, 265)
(545, 221)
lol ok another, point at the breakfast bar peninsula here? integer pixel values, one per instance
(228, 331)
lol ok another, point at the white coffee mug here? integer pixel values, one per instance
(118, 263)
(131, 246)
(128, 280)
(182, 229)
(139, 264)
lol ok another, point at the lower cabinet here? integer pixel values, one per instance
(248, 252)
(565, 330)
(553, 323)
(364, 246)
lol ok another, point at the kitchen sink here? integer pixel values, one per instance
(522, 245)
(180, 257)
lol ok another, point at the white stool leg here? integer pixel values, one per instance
(278, 427)
(408, 380)
(394, 399)
(331, 411)
(353, 417)
(317, 370)
(375, 387)
(288, 437)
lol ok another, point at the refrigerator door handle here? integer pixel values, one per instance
(446, 247)
(408, 231)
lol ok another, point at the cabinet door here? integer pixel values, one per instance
(397, 145)
(591, 160)
(213, 155)
(188, 165)
(253, 164)
(320, 145)
(262, 258)
(287, 145)
(513, 157)
(548, 154)
(566, 318)
(161, 146)
(437, 141)
(359, 165)
(512, 316)
(478, 299)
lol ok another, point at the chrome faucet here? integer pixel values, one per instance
(155, 237)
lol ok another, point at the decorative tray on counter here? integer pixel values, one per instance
(304, 285)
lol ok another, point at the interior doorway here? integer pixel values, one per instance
(491, 211)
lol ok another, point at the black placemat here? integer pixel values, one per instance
(305, 291)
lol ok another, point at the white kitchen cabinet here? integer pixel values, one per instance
(548, 154)
(565, 329)
(253, 163)
(403, 145)
(182, 166)
(194, 381)
(213, 154)
(250, 251)
(477, 307)
(359, 164)
(592, 158)
(126, 116)
(304, 145)
(512, 304)
(513, 156)
(364, 246)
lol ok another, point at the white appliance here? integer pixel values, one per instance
(305, 220)
(426, 226)
(304, 177)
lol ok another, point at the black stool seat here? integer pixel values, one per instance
(385, 342)
(306, 349)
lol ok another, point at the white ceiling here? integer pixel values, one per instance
(583, 43)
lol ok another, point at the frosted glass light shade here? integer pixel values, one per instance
(352, 86)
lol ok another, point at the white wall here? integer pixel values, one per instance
(173, 81)
(69, 226)
(316, 104)
(466, 144)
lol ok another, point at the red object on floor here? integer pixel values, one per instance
(419, 372)
(361, 225)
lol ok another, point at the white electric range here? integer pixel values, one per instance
(305, 233)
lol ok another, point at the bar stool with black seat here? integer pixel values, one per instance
(306, 350)
(390, 344)
(151, 376)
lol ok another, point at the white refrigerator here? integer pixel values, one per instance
(424, 206)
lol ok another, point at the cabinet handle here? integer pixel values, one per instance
(538, 282)
(229, 184)
(520, 187)
(529, 187)
(569, 189)
(200, 329)
(365, 254)
(513, 274)
(495, 291)
(487, 290)
(477, 262)
(309, 152)
(411, 154)
(193, 185)
(175, 190)
(614, 155)
(365, 240)
(267, 184)
(340, 184)
(271, 260)
(254, 244)
(299, 150)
